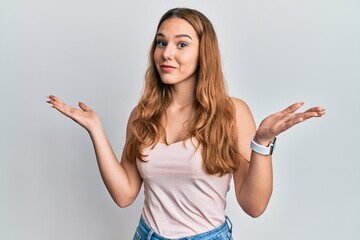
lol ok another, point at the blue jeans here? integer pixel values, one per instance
(224, 232)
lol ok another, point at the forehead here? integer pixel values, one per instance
(176, 26)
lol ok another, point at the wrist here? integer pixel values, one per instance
(262, 142)
(263, 149)
(261, 138)
(95, 128)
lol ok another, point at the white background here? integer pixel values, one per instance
(274, 53)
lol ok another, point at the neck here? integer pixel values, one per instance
(182, 95)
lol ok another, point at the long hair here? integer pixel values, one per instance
(213, 119)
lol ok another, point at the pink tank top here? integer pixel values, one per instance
(180, 198)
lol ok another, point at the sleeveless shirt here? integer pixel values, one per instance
(180, 198)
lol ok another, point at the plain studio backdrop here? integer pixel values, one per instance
(274, 53)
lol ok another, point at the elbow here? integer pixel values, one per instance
(123, 202)
(254, 206)
(254, 209)
(255, 213)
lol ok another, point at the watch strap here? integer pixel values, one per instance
(263, 150)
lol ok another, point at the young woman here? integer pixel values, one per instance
(187, 138)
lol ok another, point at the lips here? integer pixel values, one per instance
(167, 68)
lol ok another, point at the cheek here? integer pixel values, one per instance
(192, 60)
(156, 56)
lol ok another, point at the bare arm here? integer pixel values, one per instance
(121, 179)
(254, 183)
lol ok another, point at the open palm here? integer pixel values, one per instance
(84, 116)
(279, 122)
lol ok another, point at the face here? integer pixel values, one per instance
(177, 51)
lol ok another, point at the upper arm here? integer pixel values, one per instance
(130, 168)
(246, 129)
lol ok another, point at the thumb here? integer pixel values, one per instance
(84, 107)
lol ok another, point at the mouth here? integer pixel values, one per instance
(167, 68)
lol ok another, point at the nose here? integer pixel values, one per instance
(168, 52)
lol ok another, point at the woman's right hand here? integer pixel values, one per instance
(84, 116)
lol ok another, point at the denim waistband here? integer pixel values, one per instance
(144, 232)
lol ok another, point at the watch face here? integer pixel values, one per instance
(272, 146)
(271, 149)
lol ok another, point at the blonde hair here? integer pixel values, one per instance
(213, 122)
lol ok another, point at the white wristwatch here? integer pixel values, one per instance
(267, 151)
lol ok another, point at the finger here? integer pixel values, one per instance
(322, 113)
(284, 118)
(51, 96)
(300, 117)
(318, 111)
(307, 115)
(55, 99)
(315, 109)
(292, 108)
(84, 107)
(55, 102)
(50, 99)
(61, 106)
(285, 125)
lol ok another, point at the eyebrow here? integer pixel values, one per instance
(177, 36)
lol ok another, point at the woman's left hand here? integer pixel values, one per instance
(281, 121)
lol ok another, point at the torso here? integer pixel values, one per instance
(180, 198)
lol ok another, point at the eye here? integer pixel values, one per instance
(161, 43)
(182, 45)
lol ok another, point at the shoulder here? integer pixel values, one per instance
(134, 114)
(244, 119)
(241, 108)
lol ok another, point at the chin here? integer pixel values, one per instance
(168, 81)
